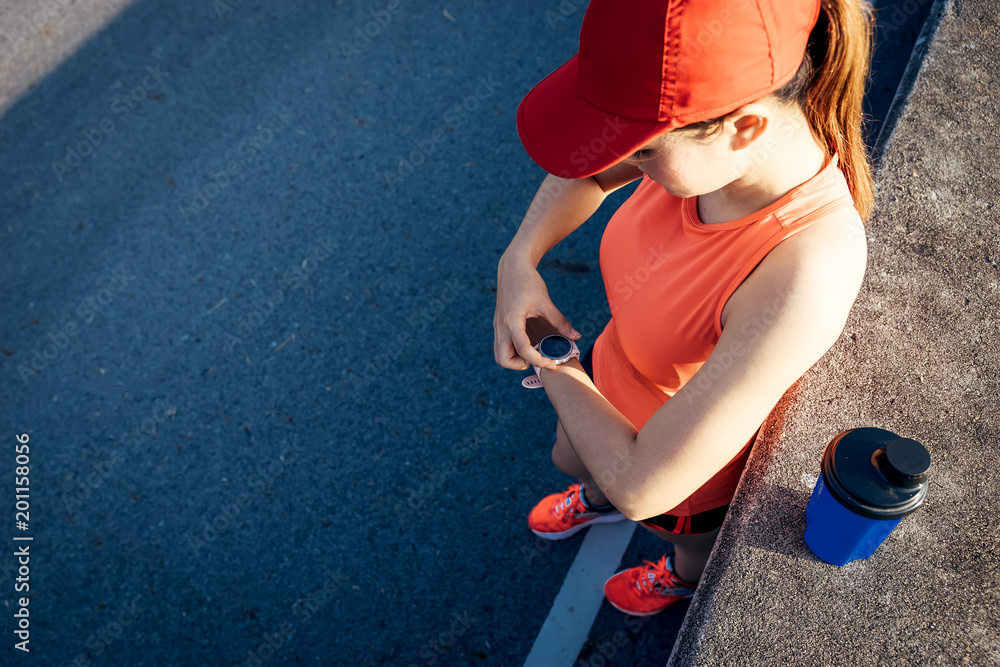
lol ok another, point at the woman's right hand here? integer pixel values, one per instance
(525, 314)
(523, 303)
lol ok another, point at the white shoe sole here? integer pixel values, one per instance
(611, 517)
(648, 613)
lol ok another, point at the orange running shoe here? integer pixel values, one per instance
(560, 515)
(647, 589)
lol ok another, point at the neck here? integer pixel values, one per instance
(767, 176)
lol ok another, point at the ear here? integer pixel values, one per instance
(749, 123)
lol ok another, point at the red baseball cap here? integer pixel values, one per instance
(646, 67)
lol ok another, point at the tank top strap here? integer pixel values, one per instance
(786, 231)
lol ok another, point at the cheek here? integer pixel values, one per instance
(681, 175)
(689, 173)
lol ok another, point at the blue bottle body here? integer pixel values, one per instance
(836, 534)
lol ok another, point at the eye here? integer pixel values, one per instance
(644, 154)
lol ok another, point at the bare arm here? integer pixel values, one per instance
(817, 275)
(559, 207)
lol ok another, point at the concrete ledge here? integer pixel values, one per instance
(920, 357)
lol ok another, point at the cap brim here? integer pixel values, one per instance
(569, 137)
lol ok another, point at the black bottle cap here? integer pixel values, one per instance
(875, 473)
(904, 462)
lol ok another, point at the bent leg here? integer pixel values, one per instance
(565, 458)
(568, 462)
(691, 552)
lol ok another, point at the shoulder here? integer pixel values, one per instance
(811, 279)
(833, 250)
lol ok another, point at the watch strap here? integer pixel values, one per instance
(532, 381)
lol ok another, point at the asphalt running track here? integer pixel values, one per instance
(248, 255)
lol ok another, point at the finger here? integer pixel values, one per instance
(505, 354)
(528, 353)
(559, 321)
(503, 349)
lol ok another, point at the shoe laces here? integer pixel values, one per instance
(569, 502)
(658, 578)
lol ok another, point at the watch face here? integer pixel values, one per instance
(555, 347)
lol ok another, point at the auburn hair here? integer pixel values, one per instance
(829, 88)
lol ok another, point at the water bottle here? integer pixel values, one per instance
(871, 478)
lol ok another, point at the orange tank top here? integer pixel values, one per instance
(667, 277)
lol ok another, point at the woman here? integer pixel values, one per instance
(730, 271)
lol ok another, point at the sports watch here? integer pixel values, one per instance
(557, 348)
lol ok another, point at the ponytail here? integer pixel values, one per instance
(830, 87)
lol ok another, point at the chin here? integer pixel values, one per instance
(677, 191)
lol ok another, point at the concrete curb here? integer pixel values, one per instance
(917, 357)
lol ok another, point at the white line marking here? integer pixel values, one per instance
(568, 624)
